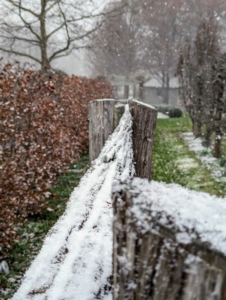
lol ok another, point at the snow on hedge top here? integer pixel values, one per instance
(193, 215)
(75, 261)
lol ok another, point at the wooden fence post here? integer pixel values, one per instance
(144, 123)
(150, 263)
(104, 117)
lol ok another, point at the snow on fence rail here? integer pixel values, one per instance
(75, 261)
(104, 116)
(169, 243)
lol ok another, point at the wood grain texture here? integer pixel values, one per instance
(104, 117)
(149, 263)
(144, 124)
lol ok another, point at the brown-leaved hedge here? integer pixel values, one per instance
(43, 130)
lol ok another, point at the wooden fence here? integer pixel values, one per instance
(149, 262)
(157, 257)
(104, 116)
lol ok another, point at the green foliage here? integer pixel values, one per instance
(223, 161)
(205, 152)
(172, 112)
(164, 109)
(175, 113)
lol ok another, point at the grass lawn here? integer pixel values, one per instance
(33, 232)
(174, 163)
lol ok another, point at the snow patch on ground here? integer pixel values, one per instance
(205, 155)
(184, 164)
(162, 116)
(75, 261)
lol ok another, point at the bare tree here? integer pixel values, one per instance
(161, 23)
(115, 47)
(46, 30)
(168, 24)
(202, 75)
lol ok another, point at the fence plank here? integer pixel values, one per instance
(104, 117)
(150, 261)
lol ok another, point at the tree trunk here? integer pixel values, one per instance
(45, 63)
(197, 129)
(217, 147)
(141, 88)
(207, 137)
(219, 88)
(166, 89)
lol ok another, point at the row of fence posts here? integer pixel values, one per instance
(151, 264)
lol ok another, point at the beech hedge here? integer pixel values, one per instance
(43, 130)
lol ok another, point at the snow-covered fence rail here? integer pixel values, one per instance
(75, 262)
(104, 116)
(169, 243)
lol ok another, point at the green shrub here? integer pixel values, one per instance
(175, 113)
(172, 112)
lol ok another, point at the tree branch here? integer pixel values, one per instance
(20, 39)
(20, 54)
(28, 25)
(55, 54)
(55, 30)
(22, 7)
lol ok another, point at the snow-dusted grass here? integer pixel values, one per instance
(186, 163)
(75, 261)
(218, 172)
(173, 162)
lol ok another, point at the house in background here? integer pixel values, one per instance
(149, 91)
(124, 86)
(154, 92)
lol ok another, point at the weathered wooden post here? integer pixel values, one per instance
(155, 257)
(104, 117)
(144, 123)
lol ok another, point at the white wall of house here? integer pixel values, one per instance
(153, 96)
